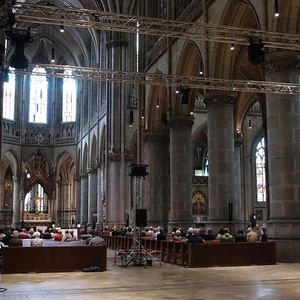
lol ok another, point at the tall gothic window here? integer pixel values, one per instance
(38, 96)
(9, 96)
(201, 160)
(69, 98)
(260, 171)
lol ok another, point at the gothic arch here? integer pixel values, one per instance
(157, 109)
(93, 153)
(190, 62)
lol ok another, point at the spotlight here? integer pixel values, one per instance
(157, 101)
(256, 54)
(52, 55)
(201, 68)
(231, 45)
(276, 10)
(184, 95)
(62, 29)
(130, 118)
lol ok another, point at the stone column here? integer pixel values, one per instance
(181, 171)
(116, 168)
(83, 200)
(16, 204)
(78, 201)
(283, 144)
(92, 195)
(221, 165)
(237, 209)
(100, 195)
(155, 187)
(115, 196)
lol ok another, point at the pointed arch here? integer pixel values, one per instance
(93, 152)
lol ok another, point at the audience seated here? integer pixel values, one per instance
(46, 235)
(195, 238)
(15, 240)
(23, 234)
(58, 235)
(209, 236)
(2, 234)
(263, 237)
(240, 236)
(96, 240)
(177, 236)
(129, 232)
(162, 236)
(73, 237)
(219, 235)
(67, 236)
(8, 236)
(252, 236)
(226, 237)
(36, 241)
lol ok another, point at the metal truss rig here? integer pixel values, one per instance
(95, 74)
(100, 20)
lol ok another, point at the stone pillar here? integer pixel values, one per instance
(100, 196)
(115, 196)
(116, 168)
(221, 165)
(16, 204)
(283, 144)
(92, 195)
(83, 200)
(237, 209)
(155, 187)
(78, 201)
(181, 171)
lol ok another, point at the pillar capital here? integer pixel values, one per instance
(282, 61)
(181, 121)
(219, 98)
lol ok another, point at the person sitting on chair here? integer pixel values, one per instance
(36, 241)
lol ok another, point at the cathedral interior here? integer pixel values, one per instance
(186, 108)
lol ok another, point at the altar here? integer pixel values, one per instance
(34, 217)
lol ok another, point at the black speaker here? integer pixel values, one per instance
(141, 217)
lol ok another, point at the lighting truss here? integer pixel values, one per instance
(158, 79)
(100, 20)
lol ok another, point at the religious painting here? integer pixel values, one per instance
(199, 204)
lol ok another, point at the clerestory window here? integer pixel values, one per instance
(69, 98)
(9, 95)
(38, 96)
(260, 172)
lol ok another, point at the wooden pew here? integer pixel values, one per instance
(231, 254)
(52, 258)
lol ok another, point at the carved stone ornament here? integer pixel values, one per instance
(181, 121)
(220, 98)
(281, 61)
(114, 157)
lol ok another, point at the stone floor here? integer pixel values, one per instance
(157, 282)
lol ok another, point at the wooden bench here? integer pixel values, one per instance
(62, 258)
(231, 254)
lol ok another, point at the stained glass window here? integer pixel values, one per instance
(9, 96)
(38, 96)
(69, 98)
(260, 171)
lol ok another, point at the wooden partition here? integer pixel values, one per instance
(52, 259)
(231, 254)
